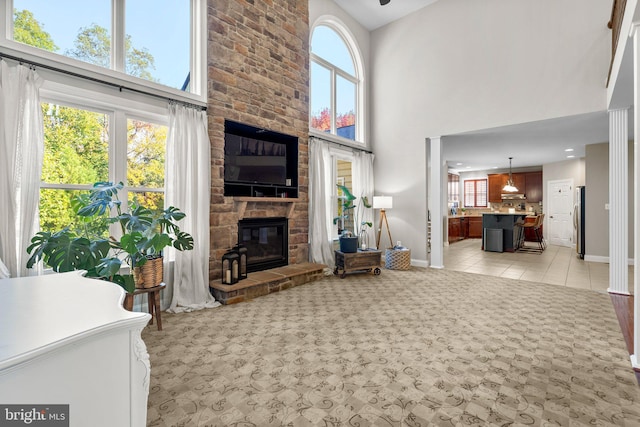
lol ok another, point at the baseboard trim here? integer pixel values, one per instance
(596, 258)
(419, 263)
(603, 259)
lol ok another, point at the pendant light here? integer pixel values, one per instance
(383, 2)
(509, 185)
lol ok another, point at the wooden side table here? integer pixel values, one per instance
(364, 261)
(153, 301)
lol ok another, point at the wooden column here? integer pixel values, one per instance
(618, 202)
(438, 209)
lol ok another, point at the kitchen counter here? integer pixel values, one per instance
(502, 224)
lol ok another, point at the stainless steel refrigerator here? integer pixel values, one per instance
(578, 220)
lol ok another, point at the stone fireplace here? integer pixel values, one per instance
(258, 75)
(266, 240)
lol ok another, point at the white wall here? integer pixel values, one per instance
(597, 195)
(597, 189)
(458, 66)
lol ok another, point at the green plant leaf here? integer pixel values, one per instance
(64, 253)
(132, 242)
(183, 241)
(139, 219)
(365, 202)
(109, 267)
(346, 192)
(126, 281)
(103, 197)
(38, 246)
(156, 243)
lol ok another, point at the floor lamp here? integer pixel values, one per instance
(382, 203)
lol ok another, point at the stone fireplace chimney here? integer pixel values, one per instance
(258, 74)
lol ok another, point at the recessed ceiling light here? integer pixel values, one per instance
(570, 157)
(458, 164)
(568, 149)
(495, 167)
(468, 167)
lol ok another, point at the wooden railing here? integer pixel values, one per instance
(615, 23)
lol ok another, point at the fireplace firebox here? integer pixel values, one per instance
(267, 242)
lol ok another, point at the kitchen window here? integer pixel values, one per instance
(475, 193)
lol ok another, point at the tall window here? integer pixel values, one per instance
(453, 187)
(82, 146)
(345, 178)
(150, 40)
(335, 85)
(475, 193)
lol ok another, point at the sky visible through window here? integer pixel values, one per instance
(160, 26)
(328, 45)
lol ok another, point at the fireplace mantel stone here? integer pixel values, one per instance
(242, 203)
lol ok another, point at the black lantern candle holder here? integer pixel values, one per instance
(230, 267)
(241, 250)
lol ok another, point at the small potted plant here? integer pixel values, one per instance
(85, 246)
(349, 240)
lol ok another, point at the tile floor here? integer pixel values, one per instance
(557, 265)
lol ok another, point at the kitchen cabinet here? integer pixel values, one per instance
(475, 227)
(496, 182)
(533, 186)
(458, 229)
(525, 182)
(454, 229)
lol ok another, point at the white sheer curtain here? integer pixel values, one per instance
(188, 182)
(363, 186)
(21, 152)
(320, 202)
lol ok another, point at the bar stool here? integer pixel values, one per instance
(535, 226)
(519, 230)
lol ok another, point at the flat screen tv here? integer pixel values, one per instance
(253, 160)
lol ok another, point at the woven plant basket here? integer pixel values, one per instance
(397, 259)
(149, 275)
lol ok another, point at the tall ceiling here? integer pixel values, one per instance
(530, 144)
(371, 15)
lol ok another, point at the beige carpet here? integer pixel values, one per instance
(406, 348)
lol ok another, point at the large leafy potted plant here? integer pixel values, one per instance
(87, 246)
(351, 210)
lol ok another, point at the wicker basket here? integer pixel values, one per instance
(149, 275)
(397, 259)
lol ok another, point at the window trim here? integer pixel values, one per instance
(198, 96)
(336, 154)
(119, 110)
(350, 42)
(475, 192)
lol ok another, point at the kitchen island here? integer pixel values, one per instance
(498, 231)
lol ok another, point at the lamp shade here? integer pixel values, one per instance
(382, 202)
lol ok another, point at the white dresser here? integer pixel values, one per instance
(65, 339)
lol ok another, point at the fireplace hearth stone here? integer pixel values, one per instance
(266, 282)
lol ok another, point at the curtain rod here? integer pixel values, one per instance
(96, 80)
(342, 145)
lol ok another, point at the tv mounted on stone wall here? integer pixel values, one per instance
(259, 162)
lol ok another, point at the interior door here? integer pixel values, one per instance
(559, 226)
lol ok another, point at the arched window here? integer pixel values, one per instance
(335, 85)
